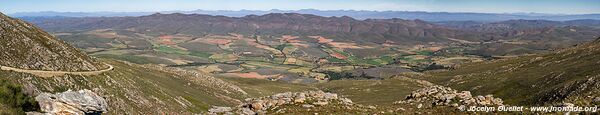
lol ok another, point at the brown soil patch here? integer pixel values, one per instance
(341, 45)
(106, 35)
(290, 39)
(273, 50)
(321, 39)
(344, 45)
(435, 48)
(171, 39)
(217, 41)
(103, 33)
(237, 36)
(338, 55)
(290, 61)
(389, 43)
(300, 45)
(165, 37)
(253, 75)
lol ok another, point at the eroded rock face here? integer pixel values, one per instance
(308, 99)
(72, 102)
(444, 96)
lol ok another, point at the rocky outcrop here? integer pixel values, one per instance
(445, 96)
(72, 103)
(308, 99)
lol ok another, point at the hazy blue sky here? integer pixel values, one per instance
(488, 6)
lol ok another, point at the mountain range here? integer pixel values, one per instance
(361, 15)
(545, 34)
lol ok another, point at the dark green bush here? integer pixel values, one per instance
(11, 95)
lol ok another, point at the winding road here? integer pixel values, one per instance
(42, 73)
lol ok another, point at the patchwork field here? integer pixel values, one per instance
(292, 57)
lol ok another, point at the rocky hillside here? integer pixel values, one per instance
(25, 46)
(570, 75)
(151, 89)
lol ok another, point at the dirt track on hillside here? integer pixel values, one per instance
(42, 73)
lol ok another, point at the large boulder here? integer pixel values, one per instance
(72, 102)
(307, 99)
(217, 109)
(444, 96)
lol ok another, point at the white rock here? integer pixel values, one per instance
(216, 109)
(596, 100)
(308, 106)
(75, 102)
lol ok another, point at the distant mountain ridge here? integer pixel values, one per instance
(521, 24)
(271, 24)
(361, 15)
